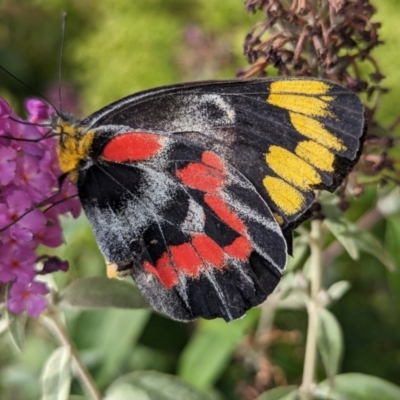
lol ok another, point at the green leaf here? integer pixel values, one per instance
(150, 385)
(329, 342)
(102, 292)
(391, 241)
(291, 292)
(355, 386)
(16, 328)
(210, 349)
(125, 391)
(337, 224)
(280, 393)
(368, 243)
(295, 300)
(56, 378)
(120, 331)
(287, 284)
(352, 238)
(340, 228)
(3, 320)
(389, 205)
(75, 397)
(338, 289)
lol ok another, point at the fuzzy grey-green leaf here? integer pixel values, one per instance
(356, 386)
(341, 230)
(338, 289)
(56, 377)
(329, 342)
(151, 385)
(210, 349)
(16, 328)
(101, 292)
(368, 243)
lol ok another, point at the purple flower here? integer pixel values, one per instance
(28, 297)
(31, 179)
(7, 165)
(51, 235)
(16, 204)
(17, 263)
(29, 174)
(38, 111)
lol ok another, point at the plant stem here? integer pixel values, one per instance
(313, 308)
(268, 310)
(52, 321)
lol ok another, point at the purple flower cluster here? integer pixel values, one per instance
(29, 174)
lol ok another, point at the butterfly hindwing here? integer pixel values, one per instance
(198, 238)
(193, 188)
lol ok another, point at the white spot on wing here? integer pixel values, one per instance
(195, 218)
(195, 116)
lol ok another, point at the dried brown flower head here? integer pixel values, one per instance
(330, 39)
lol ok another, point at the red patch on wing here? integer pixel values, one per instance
(208, 250)
(201, 177)
(164, 271)
(212, 160)
(222, 210)
(240, 248)
(186, 259)
(208, 176)
(135, 146)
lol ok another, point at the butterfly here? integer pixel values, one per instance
(194, 189)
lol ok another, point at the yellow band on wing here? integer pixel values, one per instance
(292, 168)
(301, 96)
(316, 155)
(285, 196)
(315, 130)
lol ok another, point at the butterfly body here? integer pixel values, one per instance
(194, 189)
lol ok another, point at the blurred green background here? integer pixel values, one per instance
(114, 48)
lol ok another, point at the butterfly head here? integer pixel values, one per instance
(74, 144)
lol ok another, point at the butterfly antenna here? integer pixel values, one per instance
(28, 86)
(63, 28)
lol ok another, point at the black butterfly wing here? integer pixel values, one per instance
(187, 184)
(288, 136)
